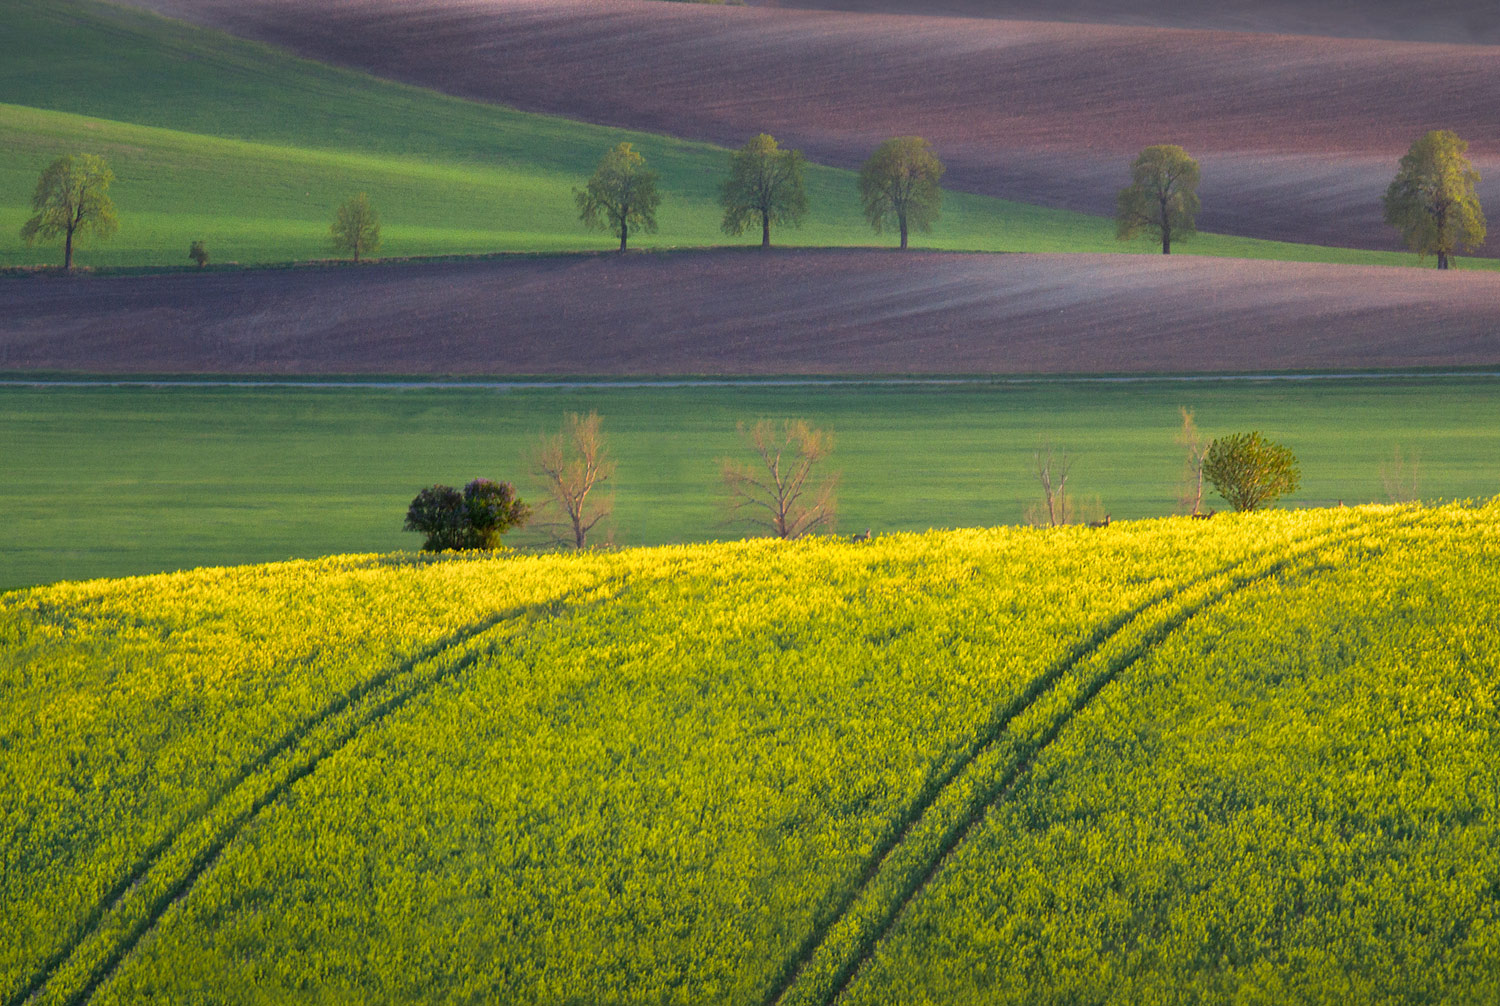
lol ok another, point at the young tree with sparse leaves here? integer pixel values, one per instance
(1162, 197)
(71, 200)
(356, 227)
(1250, 471)
(1190, 495)
(899, 184)
(782, 490)
(1432, 202)
(764, 187)
(621, 196)
(571, 465)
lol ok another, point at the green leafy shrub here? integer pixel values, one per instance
(1250, 471)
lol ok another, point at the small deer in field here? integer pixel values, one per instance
(1100, 523)
(862, 537)
(1203, 516)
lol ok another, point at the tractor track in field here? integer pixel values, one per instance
(402, 692)
(1015, 773)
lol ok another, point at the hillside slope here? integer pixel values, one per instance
(746, 312)
(1458, 21)
(1253, 758)
(1298, 136)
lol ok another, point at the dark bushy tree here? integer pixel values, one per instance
(1249, 471)
(474, 518)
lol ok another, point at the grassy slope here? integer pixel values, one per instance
(414, 801)
(162, 101)
(189, 477)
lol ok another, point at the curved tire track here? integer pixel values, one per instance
(94, 974)
(988, 795)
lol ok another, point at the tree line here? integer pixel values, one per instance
(1432, 202)
(782, 487)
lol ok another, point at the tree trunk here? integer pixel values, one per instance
(68, 251)
(1442, 260)
(1166, 227)
(624, 232)
(765, 230)
(902, 219)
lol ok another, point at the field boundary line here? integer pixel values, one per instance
(1017, 771)
(984, 796)
(404, 682)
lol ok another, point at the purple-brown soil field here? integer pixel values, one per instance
(1398, 20)
(1298, 135)
(749, 312)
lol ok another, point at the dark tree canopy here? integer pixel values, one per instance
(621, 196)
(1161, 199)
(899, 184)
(356, 227)
(1432, 202)
(764, 187)
(1249, 471)
(474, 518)
(72, 199)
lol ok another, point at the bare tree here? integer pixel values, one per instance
(1401, 476)
(1058, 507)
(782, 490)
(571, 464)
(1190, 493)
(1052, 471)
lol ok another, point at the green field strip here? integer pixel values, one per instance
(834, 956)
(167, 872)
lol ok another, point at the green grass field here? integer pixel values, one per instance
(104, 482)
(250, 150)
(1252, 760)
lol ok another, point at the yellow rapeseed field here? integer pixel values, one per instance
(1251, 759)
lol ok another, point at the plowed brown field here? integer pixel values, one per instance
(1463, 21)
(1298, 136)
(748, 312)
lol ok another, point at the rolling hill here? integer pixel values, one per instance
(1298, 136)
(250, 149)
(1249, 759)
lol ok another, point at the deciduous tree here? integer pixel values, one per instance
(1162, 197)
(1250, 471)
(765, 187)
(1432, 202)
(71, 200)
(474, 518)
(356, 227)
(621, 196)
(899, 184)
(783, 490)
(571, 465)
